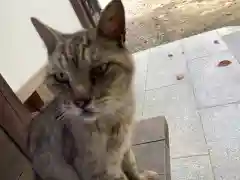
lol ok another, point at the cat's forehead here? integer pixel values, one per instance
(84, 49)
(78, 48)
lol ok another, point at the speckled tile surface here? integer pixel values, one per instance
(141, 60)
(201, 108)
(192, 168)
(202, 45)
(222, 129)
(225, 157)
(178, 105)
(167, 62)
(232, 40)
(215, 85)
(221, 123)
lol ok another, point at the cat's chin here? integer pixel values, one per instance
(88, 116)
(70, 109)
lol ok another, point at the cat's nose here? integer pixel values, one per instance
(86, 102)
(82, 102)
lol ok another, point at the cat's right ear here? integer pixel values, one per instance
(49, 36)
(112, 22)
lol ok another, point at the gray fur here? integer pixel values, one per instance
(94, 66)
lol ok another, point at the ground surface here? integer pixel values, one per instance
(153, 22)
(202, 107)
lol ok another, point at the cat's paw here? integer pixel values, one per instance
(149, 175)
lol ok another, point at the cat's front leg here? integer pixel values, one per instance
(129, 166)
(130, 169)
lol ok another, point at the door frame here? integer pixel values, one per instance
(87, 11)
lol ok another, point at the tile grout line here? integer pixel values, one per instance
(205, 139)
(145, 85)
(182, 49)
(196, 155)
(212, 54)
(219, 105)
(209, 107)
(149, 142)
(196, 58)
(200, 119)
(175, 84)
(158, 88)
(227, 50)
(197, 109)
(209, 154)
(187, 61)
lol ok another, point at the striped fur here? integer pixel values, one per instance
(95, 65)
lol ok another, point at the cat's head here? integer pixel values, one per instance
(91, 64)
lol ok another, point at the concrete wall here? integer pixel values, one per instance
(22, 51)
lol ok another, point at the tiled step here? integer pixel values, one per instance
(151, 146)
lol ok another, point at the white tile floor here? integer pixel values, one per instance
(203, 109)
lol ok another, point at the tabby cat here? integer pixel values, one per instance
(94, 70)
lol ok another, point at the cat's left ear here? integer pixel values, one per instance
(112, 22)
(49, 36)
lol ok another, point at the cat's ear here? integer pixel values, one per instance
(112, 22)
(49, 36)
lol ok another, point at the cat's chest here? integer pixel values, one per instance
(98, 142)
(99, 146)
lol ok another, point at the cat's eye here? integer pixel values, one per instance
(101, 70)
(61, 77)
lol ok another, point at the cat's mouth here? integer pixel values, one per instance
(85, 105)
(87, 110)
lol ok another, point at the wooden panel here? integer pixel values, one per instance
(84, 12)
(34, 102)
(13, 165)
(14, 118)
(31, 85)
